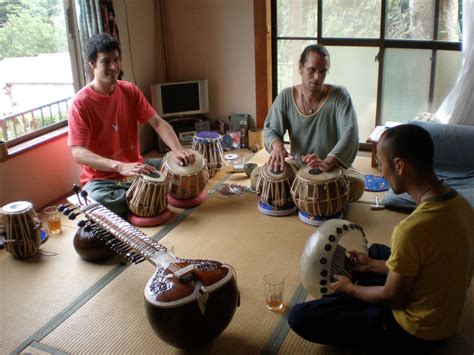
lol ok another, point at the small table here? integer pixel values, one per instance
(373, 140)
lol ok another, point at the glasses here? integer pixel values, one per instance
(312, 71)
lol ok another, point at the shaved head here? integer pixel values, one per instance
(410, 143)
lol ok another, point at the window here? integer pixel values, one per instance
(37, 68)
(397, 58)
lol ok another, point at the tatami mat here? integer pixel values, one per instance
(45, 288)
(218, 230)
(36, 289)
(62, 303)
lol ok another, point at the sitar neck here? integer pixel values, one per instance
(151, 250)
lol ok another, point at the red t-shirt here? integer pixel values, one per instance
(108, 125)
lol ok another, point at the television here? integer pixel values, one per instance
(180, 98)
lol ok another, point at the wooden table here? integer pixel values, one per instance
(373, 140)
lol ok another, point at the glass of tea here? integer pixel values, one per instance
(274, 286)
(53, 219)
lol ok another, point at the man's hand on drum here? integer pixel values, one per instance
(184, 157)
(132, 169)
(314, 161)
(342, 284)
(360, 262)
(276, 162)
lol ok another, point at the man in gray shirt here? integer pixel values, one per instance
(320, 119)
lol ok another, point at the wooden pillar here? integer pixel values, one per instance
(263, 59)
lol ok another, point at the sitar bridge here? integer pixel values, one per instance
(181, 273)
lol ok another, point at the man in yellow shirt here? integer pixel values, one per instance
(413, 300)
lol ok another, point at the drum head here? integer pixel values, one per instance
(169, 161)
(277, 175)
(207, 135)
(17, 207)
(309, 174)
(154, 177)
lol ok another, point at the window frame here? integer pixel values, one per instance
(39, 136)
(382, 43)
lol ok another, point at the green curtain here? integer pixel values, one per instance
(94, 16)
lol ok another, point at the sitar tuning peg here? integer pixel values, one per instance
(62, 207)
(67, 211)
(73, 216)
(77, 189)
(84, 195)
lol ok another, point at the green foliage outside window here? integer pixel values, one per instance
(31, 27)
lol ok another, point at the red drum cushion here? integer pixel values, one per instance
(150, 221)
(190, 202)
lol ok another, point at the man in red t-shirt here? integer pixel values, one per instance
(103, 128)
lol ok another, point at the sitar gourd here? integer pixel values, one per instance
(188, 302)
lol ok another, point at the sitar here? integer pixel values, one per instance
(188, 302)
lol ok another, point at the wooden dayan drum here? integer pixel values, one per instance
(23, 229)
(209, 144)
(146, 197)
(274, 189)
(319, 193)
(185, 182)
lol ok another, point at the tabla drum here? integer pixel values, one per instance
(209, 144)
(185, 182)
(146, 197)
(356, 183)
(22, 227)
(274, 190)
(318, 193)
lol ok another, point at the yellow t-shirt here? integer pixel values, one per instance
(434, 244)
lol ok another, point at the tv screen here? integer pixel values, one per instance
(180, 98)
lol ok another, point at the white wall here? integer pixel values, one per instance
(209, 39)
(214, 40)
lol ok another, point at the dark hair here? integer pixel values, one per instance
(316, 48)
(101, 42)
(412, 143)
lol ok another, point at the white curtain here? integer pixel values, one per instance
(458, 107)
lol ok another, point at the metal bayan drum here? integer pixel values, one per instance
(274, 190)
(22, 227)
(209, 144)
(325, 254)
(146, 197)
(319, 193)
(185, 182)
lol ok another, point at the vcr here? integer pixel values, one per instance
(185, 128)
